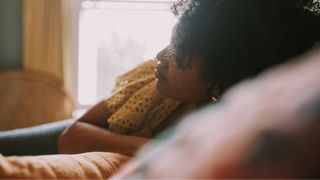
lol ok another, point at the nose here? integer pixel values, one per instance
(162, 56)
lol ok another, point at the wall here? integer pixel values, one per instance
(10, 34)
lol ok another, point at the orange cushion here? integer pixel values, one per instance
(94, 165)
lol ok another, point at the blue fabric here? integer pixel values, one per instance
(37, 140)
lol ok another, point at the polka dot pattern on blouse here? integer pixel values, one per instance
(136, 104)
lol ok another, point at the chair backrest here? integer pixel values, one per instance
(29, 98)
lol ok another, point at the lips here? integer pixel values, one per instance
(160, 74)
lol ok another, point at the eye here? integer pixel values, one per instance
(171, 51)
(173, 44)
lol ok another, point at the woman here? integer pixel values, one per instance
(216, 44)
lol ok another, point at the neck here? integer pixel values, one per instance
(199, 104)
(189, 107)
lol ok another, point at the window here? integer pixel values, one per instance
(115, 36)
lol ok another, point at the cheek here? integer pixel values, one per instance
(177, 79)
(187, 85)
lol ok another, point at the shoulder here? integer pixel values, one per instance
(137, 77)
(145, 68)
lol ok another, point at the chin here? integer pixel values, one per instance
(163, 88)
(159, 86)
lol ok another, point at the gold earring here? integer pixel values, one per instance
(214, 99)
(214, 92)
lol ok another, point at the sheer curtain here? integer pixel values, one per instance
(50, 35)
(43, 36)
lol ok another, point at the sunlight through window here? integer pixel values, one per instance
(115, 36)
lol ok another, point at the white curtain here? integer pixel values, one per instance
(43, 36)
(50, 37)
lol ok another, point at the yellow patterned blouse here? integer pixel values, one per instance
(136, 104)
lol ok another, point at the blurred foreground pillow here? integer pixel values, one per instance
(263, 128)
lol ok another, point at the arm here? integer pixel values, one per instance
(90, 133)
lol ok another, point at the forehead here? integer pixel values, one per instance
(174, 29)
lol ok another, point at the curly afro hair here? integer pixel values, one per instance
(237, 39)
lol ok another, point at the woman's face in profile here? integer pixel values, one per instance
(184, 84)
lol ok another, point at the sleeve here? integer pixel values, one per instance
(129, 83)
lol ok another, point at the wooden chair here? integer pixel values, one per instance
(29, 98)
